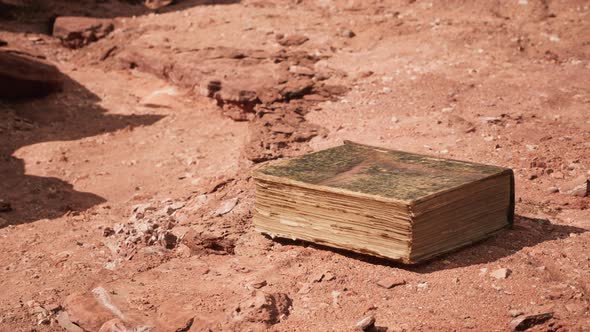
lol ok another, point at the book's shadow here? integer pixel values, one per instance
(526, 232)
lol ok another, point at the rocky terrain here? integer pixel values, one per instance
(129, 131)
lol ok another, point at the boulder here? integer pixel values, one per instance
(76, 32)
(23, 76)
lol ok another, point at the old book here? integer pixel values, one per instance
(398, 205)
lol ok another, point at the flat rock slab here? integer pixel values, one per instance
(523, 323)
(76, 32)
(23, 76)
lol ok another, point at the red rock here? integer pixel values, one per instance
(76, 32)
(523, 323)
(578, 187)
(64, 321)
(263, 308)
(291, 40)
(366, 323)
(85, 312)
(22, 76)
(390, 282)
(90, 310)
(200, 243)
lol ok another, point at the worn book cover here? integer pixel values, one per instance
(417, 185)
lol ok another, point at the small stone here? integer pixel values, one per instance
(422, 285)
(226, 207)
(502, 273)
(107, 231)
(119, 228)
(366, 323)
(335, 298)
(347, 33)
(301, 70)
(365, 74)
(558, 175)
(64, 321)
(258, 284)
(390, 282)
(490, 119)
(538, 164)
(291, 40)
(552, 190)
(317, 278)
(515, 312)
(44, 321)
(305, 289)
(523, 323)
(329, 276)
(169, 240)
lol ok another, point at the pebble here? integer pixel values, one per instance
(317, 278)
(226, 206)
(305, 289)
(558, 175)
(328, 276)
(64, 321)
(301, 70)
(490, 119)
(390, 282)
(107, 231)
(552, 190)
(365, 323)
(258, 284)
(422, 285)
(515, 312)
(347, 33)
(335, 298)
(502, 273)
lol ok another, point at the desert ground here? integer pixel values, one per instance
(127, 195)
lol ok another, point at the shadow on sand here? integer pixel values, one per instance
(526, 232)
(71, 114)
(39, 16)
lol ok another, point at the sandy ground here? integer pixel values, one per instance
(136, 139)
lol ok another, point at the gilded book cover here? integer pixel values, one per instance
(356, 196)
